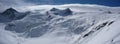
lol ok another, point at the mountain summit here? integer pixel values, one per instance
(10, 11)
(54, 9)
(11, 14)
(64, 12)
(67, 11)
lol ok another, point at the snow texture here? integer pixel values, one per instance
(61, 24)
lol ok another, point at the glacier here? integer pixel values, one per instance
(61, 24)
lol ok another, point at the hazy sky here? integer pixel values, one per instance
(26, 2)
(11, 3)
(100, 2)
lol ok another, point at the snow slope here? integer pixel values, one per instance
(88, 24)
(108, 35)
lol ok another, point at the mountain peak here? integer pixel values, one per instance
(9, 11)
(68, 9)
(54, 9)
(64, 12)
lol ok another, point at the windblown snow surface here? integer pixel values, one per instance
(88, 24)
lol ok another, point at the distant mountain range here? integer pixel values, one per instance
(11, 14)
(60, 24)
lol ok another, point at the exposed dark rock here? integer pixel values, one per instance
(10, 10)
(88, 34)
(11, 14)
(110, 22)
(101, 26)
(54, 9)
(109, 12)
(65, 12)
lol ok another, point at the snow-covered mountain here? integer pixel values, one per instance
(62, 24)
(60, 12)
(11, 14)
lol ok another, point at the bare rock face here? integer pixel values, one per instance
(54, 9)
(65, 12)
(11, 14)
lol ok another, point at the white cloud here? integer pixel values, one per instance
(12, 3)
